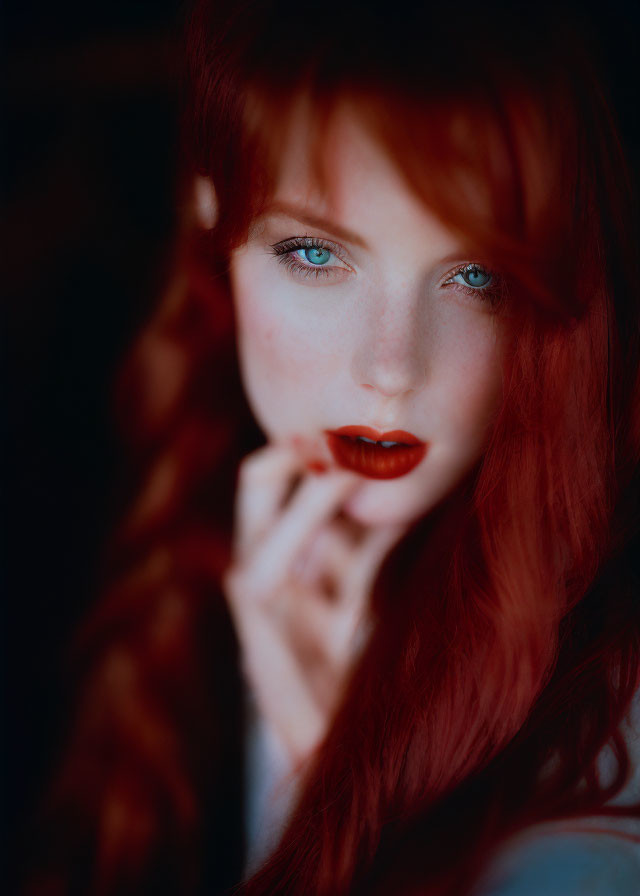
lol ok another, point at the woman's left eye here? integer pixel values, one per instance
(475, 281)
(315, 255)
(473, 276)
(309, 257)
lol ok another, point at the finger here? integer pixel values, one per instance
(265, 477)
(335, 568)
(324, 559)
(367, 560)
(316, 500)
(352, 621)
(350, 556)
(283, 695)
(308, 629)
(327, 642)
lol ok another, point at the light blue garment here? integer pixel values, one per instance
(270, 793)
(580, 864)
(574, 858)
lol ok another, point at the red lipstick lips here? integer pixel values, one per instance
(376, 455)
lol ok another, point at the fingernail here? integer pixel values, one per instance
(316, 466)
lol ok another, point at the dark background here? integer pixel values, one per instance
(90, 110)
(90, 96)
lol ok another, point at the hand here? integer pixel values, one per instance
(298, 589)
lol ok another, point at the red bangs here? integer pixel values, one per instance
(490, 145)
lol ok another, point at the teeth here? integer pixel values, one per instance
(374, 442)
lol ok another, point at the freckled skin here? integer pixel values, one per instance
(380, 341)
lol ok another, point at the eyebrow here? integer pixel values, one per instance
(300, 214)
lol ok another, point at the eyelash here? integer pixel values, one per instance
(284, 252)
(491, 294)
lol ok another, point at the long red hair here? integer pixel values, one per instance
(508, 647)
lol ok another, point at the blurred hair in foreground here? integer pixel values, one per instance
(507, 649)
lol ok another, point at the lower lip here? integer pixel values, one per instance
(374, 461)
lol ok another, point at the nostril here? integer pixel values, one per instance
(389, 391)
(389, 375)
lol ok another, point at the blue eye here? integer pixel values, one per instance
(474, 276)
(478, 283)
(310, 257)
(315, 254)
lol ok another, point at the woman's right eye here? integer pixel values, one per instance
(310, 257)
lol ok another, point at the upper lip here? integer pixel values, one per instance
(395, 435)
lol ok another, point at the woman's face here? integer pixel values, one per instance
(358, 308)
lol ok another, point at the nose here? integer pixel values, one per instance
(389, 357)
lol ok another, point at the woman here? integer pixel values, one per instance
(391, 537)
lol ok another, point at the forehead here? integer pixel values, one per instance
(325, 159)
(345, 176)
(330, 155)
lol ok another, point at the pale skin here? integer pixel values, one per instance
(389, 336)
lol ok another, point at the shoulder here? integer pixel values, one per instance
(580, 863)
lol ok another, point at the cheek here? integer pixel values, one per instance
(269, 346)
(280, 356)
(468, 371)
